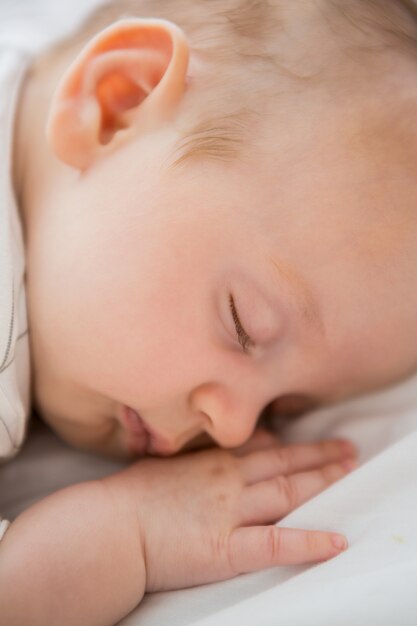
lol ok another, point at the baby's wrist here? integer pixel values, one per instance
(123, 498)
(77, 542)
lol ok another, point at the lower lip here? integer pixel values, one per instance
(141, 440)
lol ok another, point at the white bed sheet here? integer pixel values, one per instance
(373, 583)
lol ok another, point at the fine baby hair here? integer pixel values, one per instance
(251, 52)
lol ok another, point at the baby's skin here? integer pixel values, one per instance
(163, 524)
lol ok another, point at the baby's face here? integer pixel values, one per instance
(132, 267)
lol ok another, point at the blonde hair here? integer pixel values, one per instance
(244, 58)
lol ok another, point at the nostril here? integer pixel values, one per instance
(227, 415)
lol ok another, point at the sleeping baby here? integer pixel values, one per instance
(213, 216)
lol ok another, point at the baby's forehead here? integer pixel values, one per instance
(361, 153)
(388, 132)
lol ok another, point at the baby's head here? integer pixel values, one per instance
(220, 214)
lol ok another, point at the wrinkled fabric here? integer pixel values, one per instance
(14, 343)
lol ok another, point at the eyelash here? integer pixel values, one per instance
(243, 337)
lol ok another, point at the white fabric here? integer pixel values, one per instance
(4, 525)
(34, 25)
(373, 583)
(14, 345)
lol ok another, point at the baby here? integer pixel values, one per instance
(218, 209)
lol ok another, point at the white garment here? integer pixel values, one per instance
(14, 341)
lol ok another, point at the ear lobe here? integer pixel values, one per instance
(129, 78)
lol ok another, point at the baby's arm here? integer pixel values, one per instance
(75, 557)
(79, 555)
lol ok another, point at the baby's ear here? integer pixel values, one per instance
(129, 78)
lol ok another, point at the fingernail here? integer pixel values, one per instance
(349, 464)
(339, 542)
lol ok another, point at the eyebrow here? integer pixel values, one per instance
(301, 295)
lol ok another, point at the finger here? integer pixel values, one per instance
(262, 439)
(271, 500)
(262, 465)
(261, 547)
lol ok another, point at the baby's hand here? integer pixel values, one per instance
(204, 516)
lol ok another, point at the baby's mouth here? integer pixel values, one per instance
(142, 438)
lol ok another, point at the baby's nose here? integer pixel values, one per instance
(229, 419)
